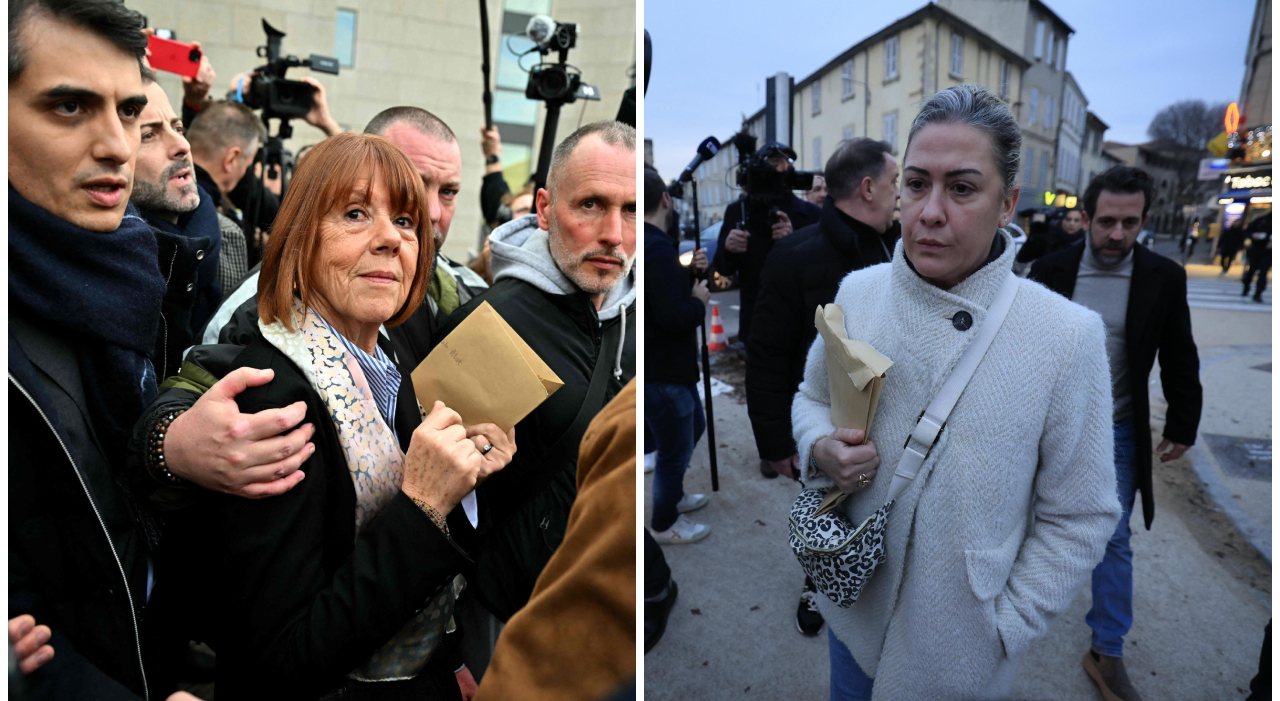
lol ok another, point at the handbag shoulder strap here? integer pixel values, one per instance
(921, 440)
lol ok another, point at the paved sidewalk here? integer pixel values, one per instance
(1200, 611)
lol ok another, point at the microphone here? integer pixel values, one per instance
(540, 29)
(709, 147)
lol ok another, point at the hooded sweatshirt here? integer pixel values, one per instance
(561, 324)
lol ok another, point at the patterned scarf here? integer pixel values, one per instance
(376, 464)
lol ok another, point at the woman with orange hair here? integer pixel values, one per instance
(341, 587)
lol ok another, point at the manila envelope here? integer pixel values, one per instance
(484, 371)
(855, 375)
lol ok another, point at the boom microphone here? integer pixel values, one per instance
(707, 149)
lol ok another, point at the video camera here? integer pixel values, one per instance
(277, 96)
(759, 178)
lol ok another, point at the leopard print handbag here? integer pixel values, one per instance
(838, 557)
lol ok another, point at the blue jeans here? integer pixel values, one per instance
(673, 413)
(848, 681)
(1112, 612)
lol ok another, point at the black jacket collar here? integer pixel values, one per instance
(650, 229)
(853, 238)
(204, 180)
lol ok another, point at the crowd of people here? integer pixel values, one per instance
(1020, 495)
(215, 442)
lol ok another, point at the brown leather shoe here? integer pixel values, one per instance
(1109, 674)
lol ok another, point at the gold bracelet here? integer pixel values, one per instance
(434, 514)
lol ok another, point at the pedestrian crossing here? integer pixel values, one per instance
(1224, 294)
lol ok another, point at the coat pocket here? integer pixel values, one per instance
(988, 569)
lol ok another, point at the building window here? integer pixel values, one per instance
(1039, 52)
(1006, 70)
(344, 38)
(891, 130)
(1048, 112)
(817, 152)
(816, 88)
(1028, 164)
(1052, 46)
(1035, 101)
(847, 134)
(1062, 54)
(846, 77)
(957, 55)
(891, 58)
(1044, 169)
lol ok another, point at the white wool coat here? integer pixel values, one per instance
(1014, 505)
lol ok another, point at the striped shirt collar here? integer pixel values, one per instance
(379, 372)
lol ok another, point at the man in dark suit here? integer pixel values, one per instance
(1142, 298)
(856, 230)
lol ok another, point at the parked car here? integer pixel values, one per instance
(710, 238)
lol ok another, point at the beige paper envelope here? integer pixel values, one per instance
(484, 371)
(855, 375)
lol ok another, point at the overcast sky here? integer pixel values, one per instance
(1131, 58)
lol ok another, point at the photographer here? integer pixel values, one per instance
(743, 247)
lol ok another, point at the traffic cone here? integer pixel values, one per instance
(717, 342)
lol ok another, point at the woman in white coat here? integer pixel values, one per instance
(1015, 502)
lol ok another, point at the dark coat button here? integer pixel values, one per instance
(190, 286)
(962, 321)
(199, 255)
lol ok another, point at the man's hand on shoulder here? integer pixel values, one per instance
(220, 449)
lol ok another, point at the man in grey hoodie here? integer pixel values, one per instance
(563, 280)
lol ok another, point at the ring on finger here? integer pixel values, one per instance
(485, 450)
(863, 480)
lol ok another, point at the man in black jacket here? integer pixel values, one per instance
(88, 299)
(856, 230)
(1142, 298)
(673, 409)
(563, 280)
(742, 253)
(167, 195)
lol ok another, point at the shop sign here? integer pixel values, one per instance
(1232, 119)
(1246, 182)
(1211, 168)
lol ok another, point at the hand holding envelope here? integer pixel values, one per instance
(484, 371)
(855, 375)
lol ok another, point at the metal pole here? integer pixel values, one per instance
(484, 64)
(706, 354)
(549, 126)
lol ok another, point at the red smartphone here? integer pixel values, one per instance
(173, 56)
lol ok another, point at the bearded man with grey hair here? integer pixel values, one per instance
(563, 279)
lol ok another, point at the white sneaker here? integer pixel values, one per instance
(650, 461)
(682, 531)
(691, 502)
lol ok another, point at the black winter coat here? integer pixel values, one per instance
(1158, 320)
(673, 314)
(292, 600)
(747, 266)
(78, 539)
(797, 278)
(566, 332)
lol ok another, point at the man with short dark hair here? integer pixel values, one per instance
(856, 230)
(224, 140)
(1142, 298)
(564, 281)
(87, 300)
(167, 195)
(676, 307)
